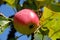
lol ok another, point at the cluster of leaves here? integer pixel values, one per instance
(49, 20)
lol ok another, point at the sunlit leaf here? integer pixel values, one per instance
(11, 2)
(14, 4)
(51, 20)
(3, 23)
(56, 35)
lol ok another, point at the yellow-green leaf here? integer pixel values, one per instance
(3, 23)
(56, 35)
(10, 2)
(51, 20)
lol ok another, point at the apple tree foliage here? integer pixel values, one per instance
(49, 17)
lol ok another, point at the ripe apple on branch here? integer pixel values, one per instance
(26, 21)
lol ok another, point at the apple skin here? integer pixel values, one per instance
(26, 21)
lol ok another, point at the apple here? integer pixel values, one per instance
(26, 21)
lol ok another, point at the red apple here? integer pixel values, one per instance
(26, 21)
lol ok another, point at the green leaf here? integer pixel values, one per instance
(14, 4)
(11, 2)
(51, 20)
(38, 36)
(56, 35)
(44, 30)
(3, 23)
(40, 3)
(46, 37)
(32, 5)
(54, 7)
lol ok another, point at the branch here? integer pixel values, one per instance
(11, 35)
(32, 36)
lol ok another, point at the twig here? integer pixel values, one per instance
(32, 36)
(12, 32)
(19, 36)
